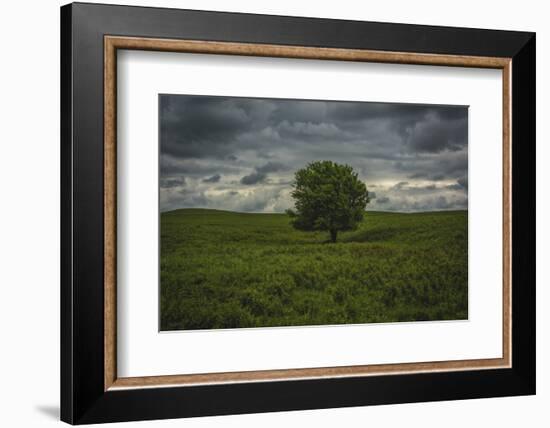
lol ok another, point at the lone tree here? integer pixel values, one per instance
(328, 196)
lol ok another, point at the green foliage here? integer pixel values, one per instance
(229, 270)
(328, 196)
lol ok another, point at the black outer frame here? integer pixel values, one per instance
(83, 399)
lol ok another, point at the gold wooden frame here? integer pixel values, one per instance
(113, 43)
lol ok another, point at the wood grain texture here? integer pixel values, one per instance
(308, 373)
(227, 48)
(507, 213)
(109, 195)
(112, 43)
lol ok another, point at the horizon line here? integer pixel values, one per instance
(283, 213)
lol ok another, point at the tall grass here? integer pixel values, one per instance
(227, 270)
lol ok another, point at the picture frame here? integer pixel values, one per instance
(91, 390)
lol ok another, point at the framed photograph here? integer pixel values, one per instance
(265, 213)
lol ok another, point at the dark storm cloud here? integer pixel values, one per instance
(170, 182)
(178, 166)
(449, 165)
(195, 126)
(260, 175)
(254, 178)
(270, 167)
(214, 179)
(435, 135)
(243, 152)
(430, 177)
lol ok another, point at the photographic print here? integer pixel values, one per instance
(288, 212)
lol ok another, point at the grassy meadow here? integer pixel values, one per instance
(224, 269)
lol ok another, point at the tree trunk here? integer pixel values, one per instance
(333, 233)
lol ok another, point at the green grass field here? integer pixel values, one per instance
(226, 270)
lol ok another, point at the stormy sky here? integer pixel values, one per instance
(240, 154)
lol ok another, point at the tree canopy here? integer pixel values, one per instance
(328, 196)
